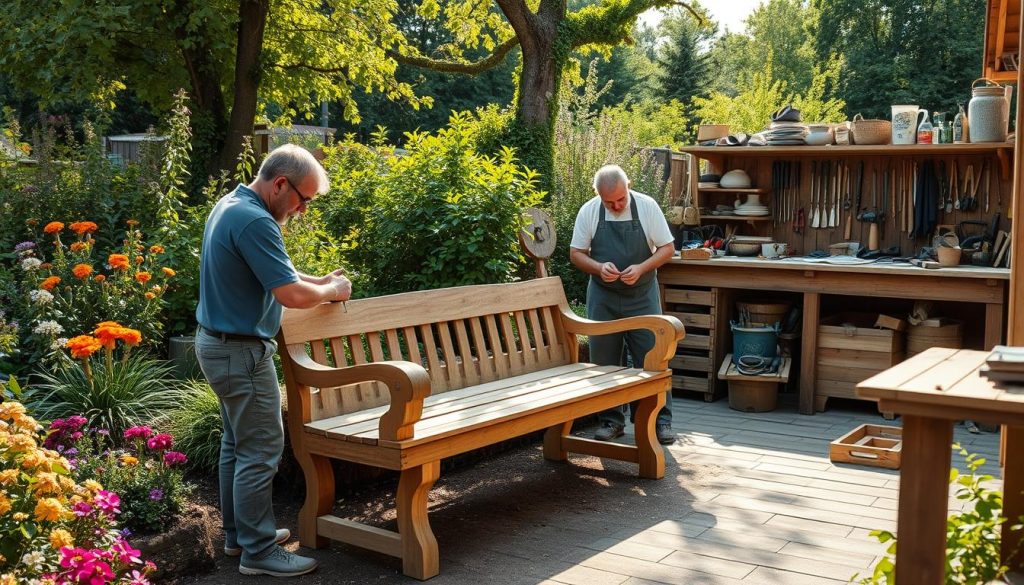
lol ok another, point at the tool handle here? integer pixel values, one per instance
(873, 237)
(849, 226)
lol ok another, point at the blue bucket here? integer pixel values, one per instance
(759, 341)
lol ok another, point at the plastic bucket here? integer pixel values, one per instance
(760, 341)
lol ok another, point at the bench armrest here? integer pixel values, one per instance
(408, 383)
(667, 331)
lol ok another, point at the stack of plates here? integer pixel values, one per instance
(786, 133)
(752, 210)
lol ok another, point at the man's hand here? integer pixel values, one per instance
(342, 286)
(609, 272)
(631, 274)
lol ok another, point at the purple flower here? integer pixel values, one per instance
(103, 432)
(172, 458)
(24, 246)
(71, 452)
(156, 494)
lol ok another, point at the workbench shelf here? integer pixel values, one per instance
(753, 218)
(721, 190)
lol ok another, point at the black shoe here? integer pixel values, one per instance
(609, 431)
(665, 434)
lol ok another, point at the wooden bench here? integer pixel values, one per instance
(402, 381)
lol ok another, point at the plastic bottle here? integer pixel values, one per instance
(960, 127)
(924, 132)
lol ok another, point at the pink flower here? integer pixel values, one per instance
(160, 442)
(125, 553)
(82, 509)
(108, 502)
(138, 432)
(138, 579)
(172, 458)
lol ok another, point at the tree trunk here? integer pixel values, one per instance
(252, 22)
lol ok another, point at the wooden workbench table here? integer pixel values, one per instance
(931, 391)
(961, 284)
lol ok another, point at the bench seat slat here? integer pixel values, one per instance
(471, 397)
(472, 419)
(322, 426)
(501, 357)
(529, 356)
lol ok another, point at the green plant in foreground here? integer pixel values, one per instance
(197, 427)
(972, 536)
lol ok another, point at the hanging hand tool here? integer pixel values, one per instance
(833, 212)
(847, 206)
(970, 202)
(952, 187)
(962, 193)
(776, 188)
(988, 184)
(798, 222)
(815, 218)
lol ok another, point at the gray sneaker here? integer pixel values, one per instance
(608, 431)
(277, 563)
(282, 536)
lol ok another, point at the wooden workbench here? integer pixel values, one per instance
(932, 390)
(962, 284)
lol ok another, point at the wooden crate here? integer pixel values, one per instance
(696, 359)
(851, 350)
(873, 445)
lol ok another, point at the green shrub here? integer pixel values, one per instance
(972, 537)
(111, 394)
(197, 426)
(439, 215)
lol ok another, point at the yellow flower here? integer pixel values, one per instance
(8, 579)
(20, 516)
(92, 485)
(129, 460)
(149, 296)
(46, 483)
(156, 249)
(35, 459)
(8, 476)
(66, 483)
(169, 272)
(22, 443)
(48, 510)
(10, 410)
(60, 537)
(5, 503)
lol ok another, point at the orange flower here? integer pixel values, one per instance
(168, 272)
(143, 277)
(53, 227)
(100, 278)
(150, 296)
(156, 288)
(108, 324)
(139, 259)
(118, 261)
(129, 336)
(132, 222)
(83, 346)
(50, 283)
(79, 246)
(82, 271)
(109, 332)
(156, 249)
(84, 227)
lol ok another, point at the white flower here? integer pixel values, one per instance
(59, 343)
(48, 328)
(33, 559)
(40, 296)
(29, 264)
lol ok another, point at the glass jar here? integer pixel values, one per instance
(988, 112)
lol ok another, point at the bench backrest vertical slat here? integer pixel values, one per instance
(463, 336)
(499, 350)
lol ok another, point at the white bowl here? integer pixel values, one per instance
(735, 179)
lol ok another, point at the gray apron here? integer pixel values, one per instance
(622, 243)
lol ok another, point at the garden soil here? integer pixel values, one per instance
(504, 518)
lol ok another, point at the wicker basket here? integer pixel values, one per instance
(870, 131)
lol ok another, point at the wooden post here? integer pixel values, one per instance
(1013, 498)
(927, 448)
(809, 351)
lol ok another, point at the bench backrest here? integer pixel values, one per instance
(463, 336)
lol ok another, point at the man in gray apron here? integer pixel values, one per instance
(620, 239)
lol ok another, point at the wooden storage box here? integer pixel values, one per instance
(851, 350)
(942, 333)
(693, 367)
(869, 445)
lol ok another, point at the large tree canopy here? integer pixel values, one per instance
(230, 54)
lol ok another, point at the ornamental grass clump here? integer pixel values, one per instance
(139, 464)
(105, 382)
(67, 284)
(54, 528)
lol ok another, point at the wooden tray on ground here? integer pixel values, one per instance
(876, 445)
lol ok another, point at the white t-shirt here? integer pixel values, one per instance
(651, 219)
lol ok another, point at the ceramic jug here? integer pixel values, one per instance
(905, 120)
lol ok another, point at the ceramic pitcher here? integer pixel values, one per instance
(905, 120)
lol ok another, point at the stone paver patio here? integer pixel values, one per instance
(747, 498)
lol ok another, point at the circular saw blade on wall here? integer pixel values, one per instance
(538, 235)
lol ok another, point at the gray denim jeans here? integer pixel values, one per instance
(242, 375)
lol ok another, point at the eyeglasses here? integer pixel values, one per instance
(303, 200)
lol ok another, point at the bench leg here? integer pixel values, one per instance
(650, 453)
(554, 449)
(319, 497)
(419, 547)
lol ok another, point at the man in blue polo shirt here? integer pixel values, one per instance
(245, 280)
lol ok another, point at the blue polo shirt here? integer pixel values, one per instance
(243, 259)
